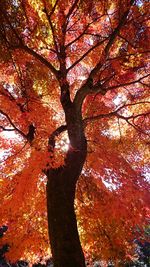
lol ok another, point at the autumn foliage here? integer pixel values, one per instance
(94, 56)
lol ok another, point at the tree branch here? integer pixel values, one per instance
(14, 155)
(119, 116)
(13, 125)
(50, 23)
(118, 28)
(128, 55)
(86, 88)
(39, 57)
(57, 132)
(31, 132)
(86, 53)
(62, 128)
(72, 8)
(24, 47)
(115, 113)
(112, 38)
(125, 84)
(84, 32)
(6, 129)
(53, 9)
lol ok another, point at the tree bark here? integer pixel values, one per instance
(61, 186)
(62, 223)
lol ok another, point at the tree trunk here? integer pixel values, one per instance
(62, 224)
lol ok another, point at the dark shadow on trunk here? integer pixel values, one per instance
(62, 223)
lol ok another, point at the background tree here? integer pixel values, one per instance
(74, 79)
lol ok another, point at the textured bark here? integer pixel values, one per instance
(62, 224)
(61, 185)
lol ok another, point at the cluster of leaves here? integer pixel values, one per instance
(20, 263)
(143, 254)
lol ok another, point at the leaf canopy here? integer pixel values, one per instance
(100, 50)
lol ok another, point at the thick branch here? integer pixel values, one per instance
(100, 88)
(31, 133)
(86, 88)
(57, 132)
(39, 57)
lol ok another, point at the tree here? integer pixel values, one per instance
(73, 73)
